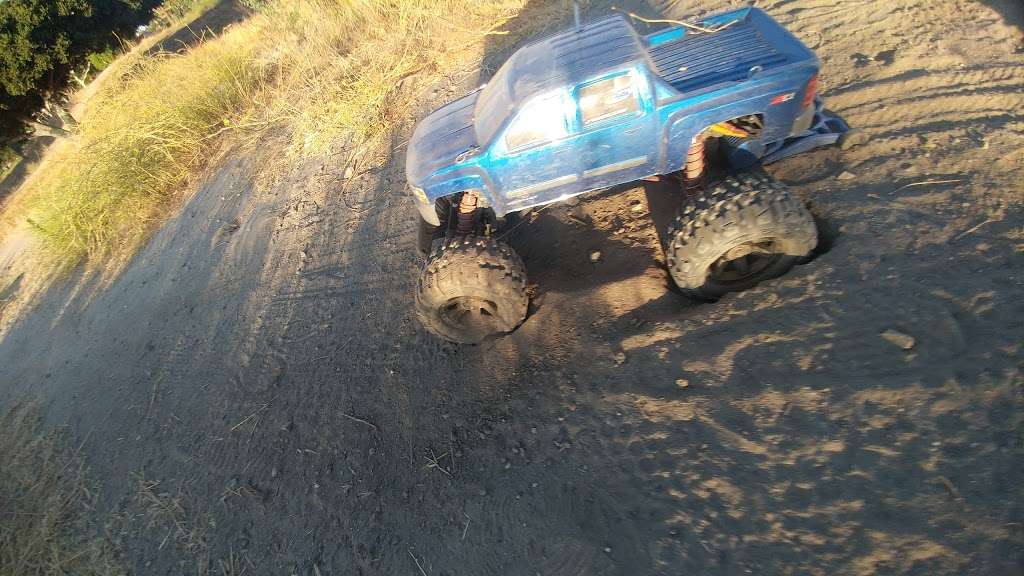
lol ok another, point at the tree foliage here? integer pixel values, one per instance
(42, 41)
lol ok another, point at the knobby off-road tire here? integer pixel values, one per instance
(747, 213)
(472, 288)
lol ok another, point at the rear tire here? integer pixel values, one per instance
(742, 231)
(471, 289)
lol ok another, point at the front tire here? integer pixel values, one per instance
(471, 289)
(742, 231)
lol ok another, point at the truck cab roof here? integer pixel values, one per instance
(673, 81)
(563, 59)
(681, 59)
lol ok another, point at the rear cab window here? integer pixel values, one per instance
(608, 99)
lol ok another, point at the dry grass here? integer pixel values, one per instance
(142, 137)
(352, 67)
(317, 70)
(44, 504)
(164, 512)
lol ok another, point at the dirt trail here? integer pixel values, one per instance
(260, 362)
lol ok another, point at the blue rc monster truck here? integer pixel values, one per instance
(601, 105)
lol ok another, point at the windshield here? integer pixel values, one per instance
(494, 104)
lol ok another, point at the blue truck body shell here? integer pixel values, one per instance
(682, 83)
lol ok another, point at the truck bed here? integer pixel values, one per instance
(700, 60)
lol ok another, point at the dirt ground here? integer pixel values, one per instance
(255, 396)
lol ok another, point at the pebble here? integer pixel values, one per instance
(348, 173)
(595, 255)
(854, 137)
(904, 341)
(846, 175)
(682, 382)
(619, 357)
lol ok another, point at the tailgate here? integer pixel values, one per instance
(700, 60)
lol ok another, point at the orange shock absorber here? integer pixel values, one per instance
(467, 213)
(695, 163)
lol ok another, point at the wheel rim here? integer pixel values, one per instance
(472, 315)
(744, 263)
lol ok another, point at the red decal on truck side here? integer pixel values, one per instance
(782, 98)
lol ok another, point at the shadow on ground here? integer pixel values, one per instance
(211, 22)
(32, 154)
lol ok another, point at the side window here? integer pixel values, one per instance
(607, 99)
(540, 121)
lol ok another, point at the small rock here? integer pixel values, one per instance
(577, 214)
(595, 255)
(853, 137)
(904, 341)
(619, 358)
(636, 208)
(846, 175)
(304, 255)
(682, 382)
(348, 173)
(607, 549)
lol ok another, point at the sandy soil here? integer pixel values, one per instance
(254, 391)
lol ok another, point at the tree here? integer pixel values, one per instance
(43, 41)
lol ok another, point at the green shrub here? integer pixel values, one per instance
(101, 60)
